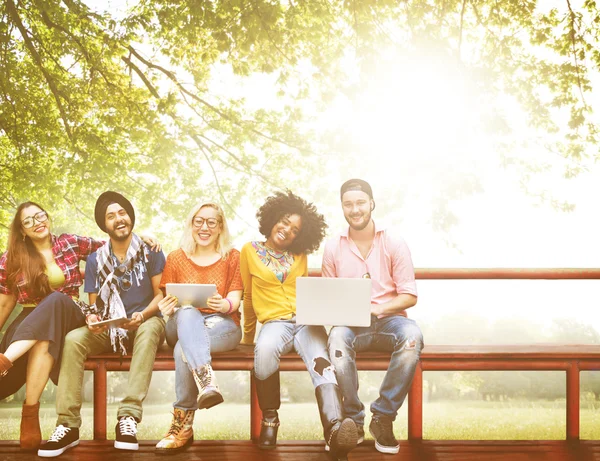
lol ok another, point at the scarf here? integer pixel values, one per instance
(109, 303)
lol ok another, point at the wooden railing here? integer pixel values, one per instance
(571, 359)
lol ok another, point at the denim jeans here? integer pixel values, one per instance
(397, 334)
(279, 337)
(81, 343)
(193, 335)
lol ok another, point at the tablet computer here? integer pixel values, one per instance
(191, 294)
(112, 323)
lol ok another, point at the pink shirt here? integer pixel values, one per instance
(388, 263)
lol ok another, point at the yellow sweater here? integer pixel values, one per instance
(265, 297)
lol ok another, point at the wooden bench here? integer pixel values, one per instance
(571, 359)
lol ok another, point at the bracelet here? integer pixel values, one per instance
(230, 310)
(143, 319)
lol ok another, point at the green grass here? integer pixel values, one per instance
(460, 420)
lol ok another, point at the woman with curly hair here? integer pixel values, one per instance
(292, 228)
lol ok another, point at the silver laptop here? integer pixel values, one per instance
(333, 301)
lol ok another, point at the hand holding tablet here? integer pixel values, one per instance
(190, 294)
(111, 323)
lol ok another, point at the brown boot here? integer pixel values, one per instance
(5, 364)
(31, 435)
(208, 390)
(180, 435)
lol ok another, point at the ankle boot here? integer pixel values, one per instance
(180, 434)
(340, 433)
(208, 390)
(31, 435)
(5, 365)
(268, 430)
(269, 402)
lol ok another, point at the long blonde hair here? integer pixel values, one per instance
(188, 243)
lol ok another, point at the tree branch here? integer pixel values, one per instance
(460, 34)
(141, 75)
(174, 79)
(14, 14)
(573, 46)
(203, 148)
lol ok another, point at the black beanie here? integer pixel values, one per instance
(357, 184)
(105, 199)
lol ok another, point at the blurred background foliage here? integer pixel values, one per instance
(153, 98)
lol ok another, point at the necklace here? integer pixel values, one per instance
(276, 254)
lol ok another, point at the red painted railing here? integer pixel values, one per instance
(571, 359)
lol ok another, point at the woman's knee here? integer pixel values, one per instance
(40, 348)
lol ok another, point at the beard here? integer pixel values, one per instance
(120, 235)
(362, 225)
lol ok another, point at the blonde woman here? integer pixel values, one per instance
(205, 256)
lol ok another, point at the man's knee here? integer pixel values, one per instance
(153, 328)
(77, 339)
(411, 340)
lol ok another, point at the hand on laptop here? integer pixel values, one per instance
(376, 310)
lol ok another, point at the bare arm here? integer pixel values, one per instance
(249, 318)
(7, 304)
(398, 304)
(137, 318)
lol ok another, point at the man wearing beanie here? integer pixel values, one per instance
(365, 250)
(122, 280)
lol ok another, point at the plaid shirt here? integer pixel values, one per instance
(68, 250)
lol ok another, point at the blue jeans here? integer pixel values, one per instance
(194, 335)
(279, 337)
(397, 334)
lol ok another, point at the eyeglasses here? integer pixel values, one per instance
(29, 222)
(211, 223)
(123, 276)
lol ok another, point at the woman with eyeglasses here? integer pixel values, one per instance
(40, 271)
(292, 228)
(205, 256)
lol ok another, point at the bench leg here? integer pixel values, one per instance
(573, 401)
(255, 412)
(100, 401)
(415, 406)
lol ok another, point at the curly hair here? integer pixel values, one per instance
(285, 204)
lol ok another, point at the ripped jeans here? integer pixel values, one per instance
(279, 337)
(397, 334)
(194, 335)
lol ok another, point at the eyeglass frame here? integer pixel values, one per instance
(35, 218)
(121, 280)
(217, 222)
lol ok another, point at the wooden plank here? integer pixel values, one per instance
(522, 351)
(207, 450)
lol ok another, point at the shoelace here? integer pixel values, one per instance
(127, 426)
(59, 433)
(205, 377)
(176, 426)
